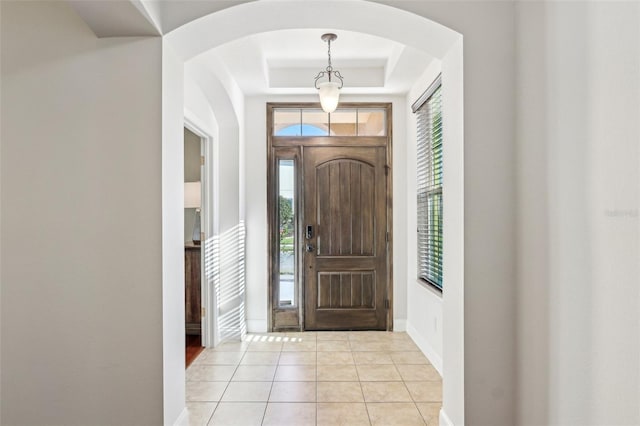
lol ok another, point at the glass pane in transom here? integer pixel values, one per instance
(287, 122)
(343, 122)
(315, 122)
(371, 122)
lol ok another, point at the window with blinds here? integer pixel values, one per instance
(428, 110)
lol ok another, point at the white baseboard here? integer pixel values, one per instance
(444, 419)
(399, 324)
(183, 418)
(256, 326)
(426, 348)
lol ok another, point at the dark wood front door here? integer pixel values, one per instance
(345, 238)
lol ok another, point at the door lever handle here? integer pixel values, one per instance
(309, 248)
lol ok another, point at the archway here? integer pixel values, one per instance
(207, 32)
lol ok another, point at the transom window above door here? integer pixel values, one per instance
(304, 122)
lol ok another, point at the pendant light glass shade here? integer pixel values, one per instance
(329, 92)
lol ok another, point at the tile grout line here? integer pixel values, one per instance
(266, 405)
(226, 387)
(413, 401)
(213, 412)
(364, 401)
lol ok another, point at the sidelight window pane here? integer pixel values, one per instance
(286, 229)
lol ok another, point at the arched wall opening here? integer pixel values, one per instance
(228, 107)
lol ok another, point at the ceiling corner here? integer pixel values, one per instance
(115, 18)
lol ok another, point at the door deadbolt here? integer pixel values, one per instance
(309, 248)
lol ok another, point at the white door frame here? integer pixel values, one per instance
(209, 225)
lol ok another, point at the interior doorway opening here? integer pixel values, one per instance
(200, 220)
(193, 145)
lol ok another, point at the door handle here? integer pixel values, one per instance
(309, 248)
(309, 232)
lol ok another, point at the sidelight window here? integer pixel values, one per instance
(286, 232)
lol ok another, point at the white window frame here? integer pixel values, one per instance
(428, 110)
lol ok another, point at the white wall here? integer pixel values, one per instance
(424, 320)
(533, 219)
(199, 117)
(172, 209)
(578, 249)
(614, 151)
(482, 390)
(436, 320)
(454, 392)
(227, 135)
(224, 250)
(81, 153)
(255, 205)
(197, 108)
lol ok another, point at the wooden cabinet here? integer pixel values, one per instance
(192, 295)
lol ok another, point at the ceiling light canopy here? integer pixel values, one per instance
(329, 89)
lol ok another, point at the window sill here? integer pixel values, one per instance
(431, 287)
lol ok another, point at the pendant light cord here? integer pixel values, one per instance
(329, 67)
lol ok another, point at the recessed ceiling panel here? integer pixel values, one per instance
(287, 61)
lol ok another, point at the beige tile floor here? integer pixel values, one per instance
(314, 378)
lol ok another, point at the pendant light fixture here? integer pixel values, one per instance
(329, 89)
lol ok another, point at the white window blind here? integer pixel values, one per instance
(428, 110)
